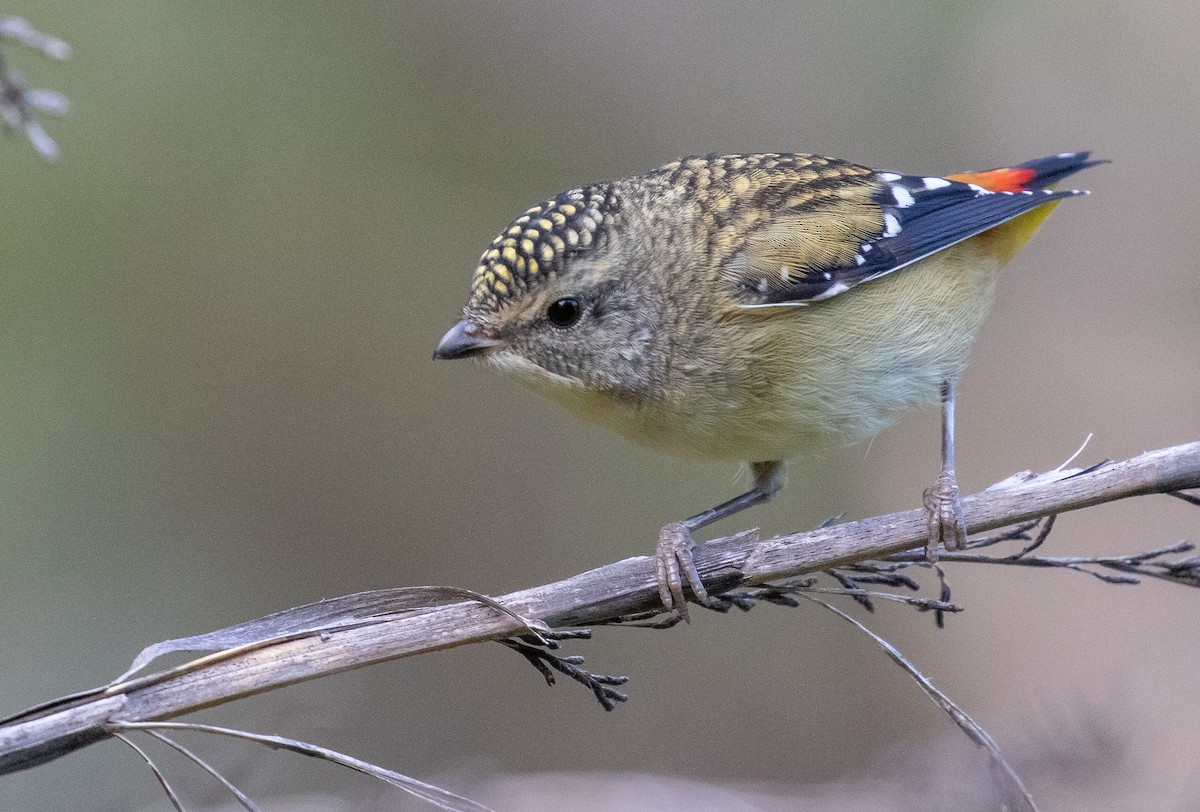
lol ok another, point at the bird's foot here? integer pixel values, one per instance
(947, 525)
(672, 563)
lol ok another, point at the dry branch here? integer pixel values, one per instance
(601, 595)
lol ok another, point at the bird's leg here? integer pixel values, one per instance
(673, 557)
(947, 526)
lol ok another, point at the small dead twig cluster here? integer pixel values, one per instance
(20, 105)
(537, 651)
(1158, 563)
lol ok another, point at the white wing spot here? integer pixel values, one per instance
(827, 276)
(903, 197)
(859, 259)
(935, 183)
(1026, 191)
(891, 225)
(979, 190)
(785, 274)
(867, 247)
(889, 177)
(832, 290)
(762, 285)
(1006, 192)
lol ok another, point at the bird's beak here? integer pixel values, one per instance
(464, 340)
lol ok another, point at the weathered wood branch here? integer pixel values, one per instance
(597, 596)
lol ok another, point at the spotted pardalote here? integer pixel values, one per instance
(755, 307)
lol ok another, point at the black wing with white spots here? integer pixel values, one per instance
(920, 216)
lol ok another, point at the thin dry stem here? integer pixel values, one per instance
(441, 798)
(1012, 786)
(242, 798)
(162, 779)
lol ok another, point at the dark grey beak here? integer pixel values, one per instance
(463, 340)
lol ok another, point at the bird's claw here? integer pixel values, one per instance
(673, 562)
(947, 525)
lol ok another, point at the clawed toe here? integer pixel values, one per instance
(947, 525)
(673, 561)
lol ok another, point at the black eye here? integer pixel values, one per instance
(564, 312)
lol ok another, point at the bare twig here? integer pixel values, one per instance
(1187, 497)
(242, 798)
(444, 799)
(617, 591)
(1012, 786)
(1149, 564)
(162, 779)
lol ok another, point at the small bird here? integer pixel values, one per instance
(753, 308)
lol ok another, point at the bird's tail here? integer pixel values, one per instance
(1005, 240)
(1036, 174)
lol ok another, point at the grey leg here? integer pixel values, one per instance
(673, 558)
(947, 525)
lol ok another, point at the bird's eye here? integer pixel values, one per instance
(564, 312)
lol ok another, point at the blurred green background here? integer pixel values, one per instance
(218, 401)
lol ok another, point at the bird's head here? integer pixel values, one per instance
(557, 299)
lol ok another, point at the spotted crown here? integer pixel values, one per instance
(534, 247)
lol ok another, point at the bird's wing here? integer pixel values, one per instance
(869, 230)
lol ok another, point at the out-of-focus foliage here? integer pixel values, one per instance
(20, 105)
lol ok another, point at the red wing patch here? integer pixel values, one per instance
(1012, 179)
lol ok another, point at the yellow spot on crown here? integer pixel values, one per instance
(533, 266)
(527, 246)
(502, 273)
(509, 253)
(545, 224)
(568, 209)
(500, 288)
(740, 185)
